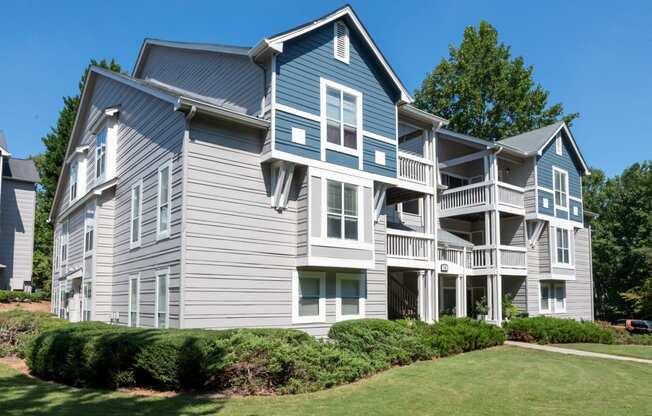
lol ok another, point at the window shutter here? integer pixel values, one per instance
(341, 42)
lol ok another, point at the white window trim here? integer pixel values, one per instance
(64, 236)
(554, 196)
(324, 215)
(296, 319)
(74, 167)
(165, 233)
(347, 43)
(559, 145)
(88, 220)
(360, 277)
(135, 244)
(324, 83)
(101, 178)
(571, 256)
(552, 309)
(84, 302)
(159, 274)
(136, 277)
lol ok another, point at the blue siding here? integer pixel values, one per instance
(342, 159)
(580, 216)
(567, 161)
(307, 58)
(284, 124)
(561, 214)
(369, 157)
(551, 203)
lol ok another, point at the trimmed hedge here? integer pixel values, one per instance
(8, 296)
(546, 330)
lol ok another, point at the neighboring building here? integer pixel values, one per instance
(292, 184)
(17, 209)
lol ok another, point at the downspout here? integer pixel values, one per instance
(262, 102)
(184, 192)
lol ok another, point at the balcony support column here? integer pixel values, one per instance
(429, 296)
(460, 289)
(499, 299)
(490, 293)
(421, 295)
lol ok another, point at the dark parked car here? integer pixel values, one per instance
(638, 326)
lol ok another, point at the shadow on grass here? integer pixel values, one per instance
(21, 395)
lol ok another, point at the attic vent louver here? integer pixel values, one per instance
(341, 42)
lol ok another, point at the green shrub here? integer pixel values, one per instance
(7, 296)
(640, 339)
(384, 343)
(18, 328)
(546, 330)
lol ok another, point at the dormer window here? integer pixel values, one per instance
(100, 154)
(558, 145)
(341, 42)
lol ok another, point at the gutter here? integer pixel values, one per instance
(189, 104)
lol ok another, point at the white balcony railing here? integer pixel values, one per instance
(473, 195)
(513, 257)
(481, 257)
(511, 195)
(415, 169)
(451, 255)
(408, 245)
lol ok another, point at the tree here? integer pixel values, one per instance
(622, 241)
(49, 165)
(484, 92)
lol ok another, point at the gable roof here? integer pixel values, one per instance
(275, 42)
(148, 43)
(20, 170)
(534, 141)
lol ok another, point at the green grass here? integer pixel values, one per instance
(500, 381)
(636, 351)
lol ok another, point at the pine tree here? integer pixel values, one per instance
(484, 92)
(49, 165)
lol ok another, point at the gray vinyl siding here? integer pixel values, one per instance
(517, 287)
(233, 81)
(376, 306)
(150, 133)
(301, 181)
(17, 212)
(512, 231)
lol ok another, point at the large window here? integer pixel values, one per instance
(89, 231)
(309, 301)
(100, 154)
(341, 113)
(74, 173)
(136, 213)
(88, 299)
(164, 200)
(561, 188)
(134, 301)
(342, 210)
(562, 245)
(350, 296)
(553, 297)
(162, 299)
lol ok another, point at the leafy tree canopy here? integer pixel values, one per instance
(484, 92)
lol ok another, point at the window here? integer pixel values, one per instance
(162, 299)
(342, 210)
(341, 118)
(88, 298)
(558, 145)
(561, 187)
(63, 244)
(308, 300)
(341, 42)
(74, 173)
(100, 154)
(164, 200)
(89, 231)
(453, 181)
(553, 297)
(62, 300)
(562, 244)
(411, 207)
(136, 213)
(350, 296)
(134, 301)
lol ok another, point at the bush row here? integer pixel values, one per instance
(7, 296)
(249, 361)
(546, 330)
(18, 328)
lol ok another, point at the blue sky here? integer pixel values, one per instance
(593, 57)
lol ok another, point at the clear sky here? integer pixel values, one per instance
(594, 57)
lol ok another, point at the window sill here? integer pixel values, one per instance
(309, 320)
(89, 254)
(342, 149)
(134, 246)
(341, 243)
(563, 266)
(162, 236)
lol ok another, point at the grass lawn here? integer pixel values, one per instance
(500, 381)
(636, 351)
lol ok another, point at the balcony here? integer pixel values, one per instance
(409, 249)
(415, 170)
(480, 197)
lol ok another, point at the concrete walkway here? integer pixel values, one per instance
(569, 351)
